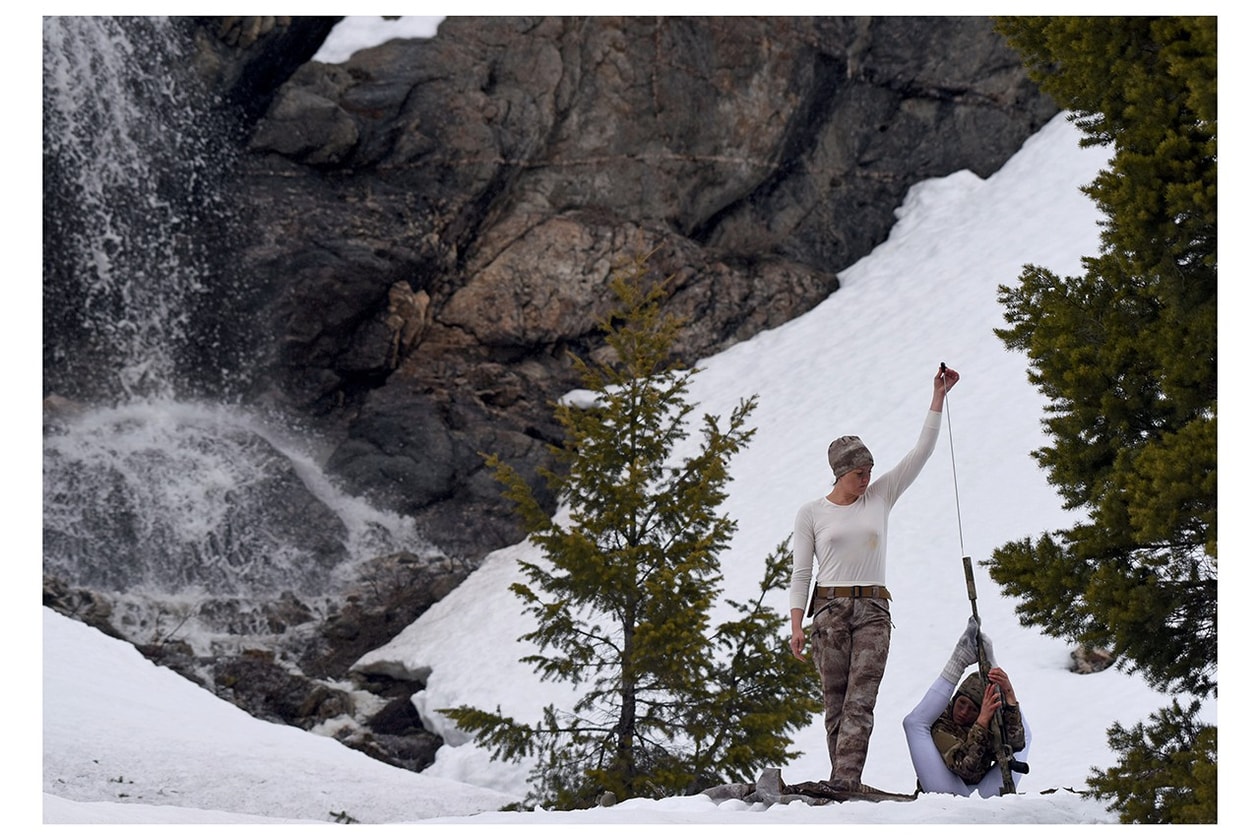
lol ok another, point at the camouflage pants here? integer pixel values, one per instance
(849, 643)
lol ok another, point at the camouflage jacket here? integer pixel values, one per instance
(968, 751)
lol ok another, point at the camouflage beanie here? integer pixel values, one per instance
(972, 688)
(847, 454)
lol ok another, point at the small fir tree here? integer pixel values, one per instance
(1167, 771)
(1126, 355)
(624, 598)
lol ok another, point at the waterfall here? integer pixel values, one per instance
(127, 169)
(160, 500)
(204, 512)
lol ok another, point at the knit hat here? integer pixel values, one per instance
(847, 453)
(972, 688)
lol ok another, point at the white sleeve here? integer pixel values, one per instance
(899, 478)
(802, 559)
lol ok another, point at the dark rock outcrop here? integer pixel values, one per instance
(291, 663)
(436, 220)
(245, 60)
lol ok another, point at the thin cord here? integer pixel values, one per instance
(954, 465)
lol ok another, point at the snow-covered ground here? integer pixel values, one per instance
(127, 742)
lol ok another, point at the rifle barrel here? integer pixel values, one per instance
(997, 725)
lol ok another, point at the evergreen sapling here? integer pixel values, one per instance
(624, 599)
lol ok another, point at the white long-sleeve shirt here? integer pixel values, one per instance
(849, 541)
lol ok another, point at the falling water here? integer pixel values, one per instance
(149, 496)
(128, 167)
(202, 511)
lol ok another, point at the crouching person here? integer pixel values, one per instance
(951, 744)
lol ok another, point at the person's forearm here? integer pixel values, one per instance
(798, 619)
(969, 760)
(1014, 728)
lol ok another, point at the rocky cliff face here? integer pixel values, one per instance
(432, 225)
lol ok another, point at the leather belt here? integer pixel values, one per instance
(854, 592)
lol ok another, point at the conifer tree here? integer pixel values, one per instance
(1126, 355)
(623, 602)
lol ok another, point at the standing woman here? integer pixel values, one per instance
(846, 533)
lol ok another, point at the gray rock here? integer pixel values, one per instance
(508, 167)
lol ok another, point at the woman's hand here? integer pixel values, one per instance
(999, 678)
(988, 708)
(798, 643)
(997, 692)
(942, 382)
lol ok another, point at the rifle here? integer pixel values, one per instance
(1006, 760)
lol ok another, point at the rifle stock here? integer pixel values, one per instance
(997, 724)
